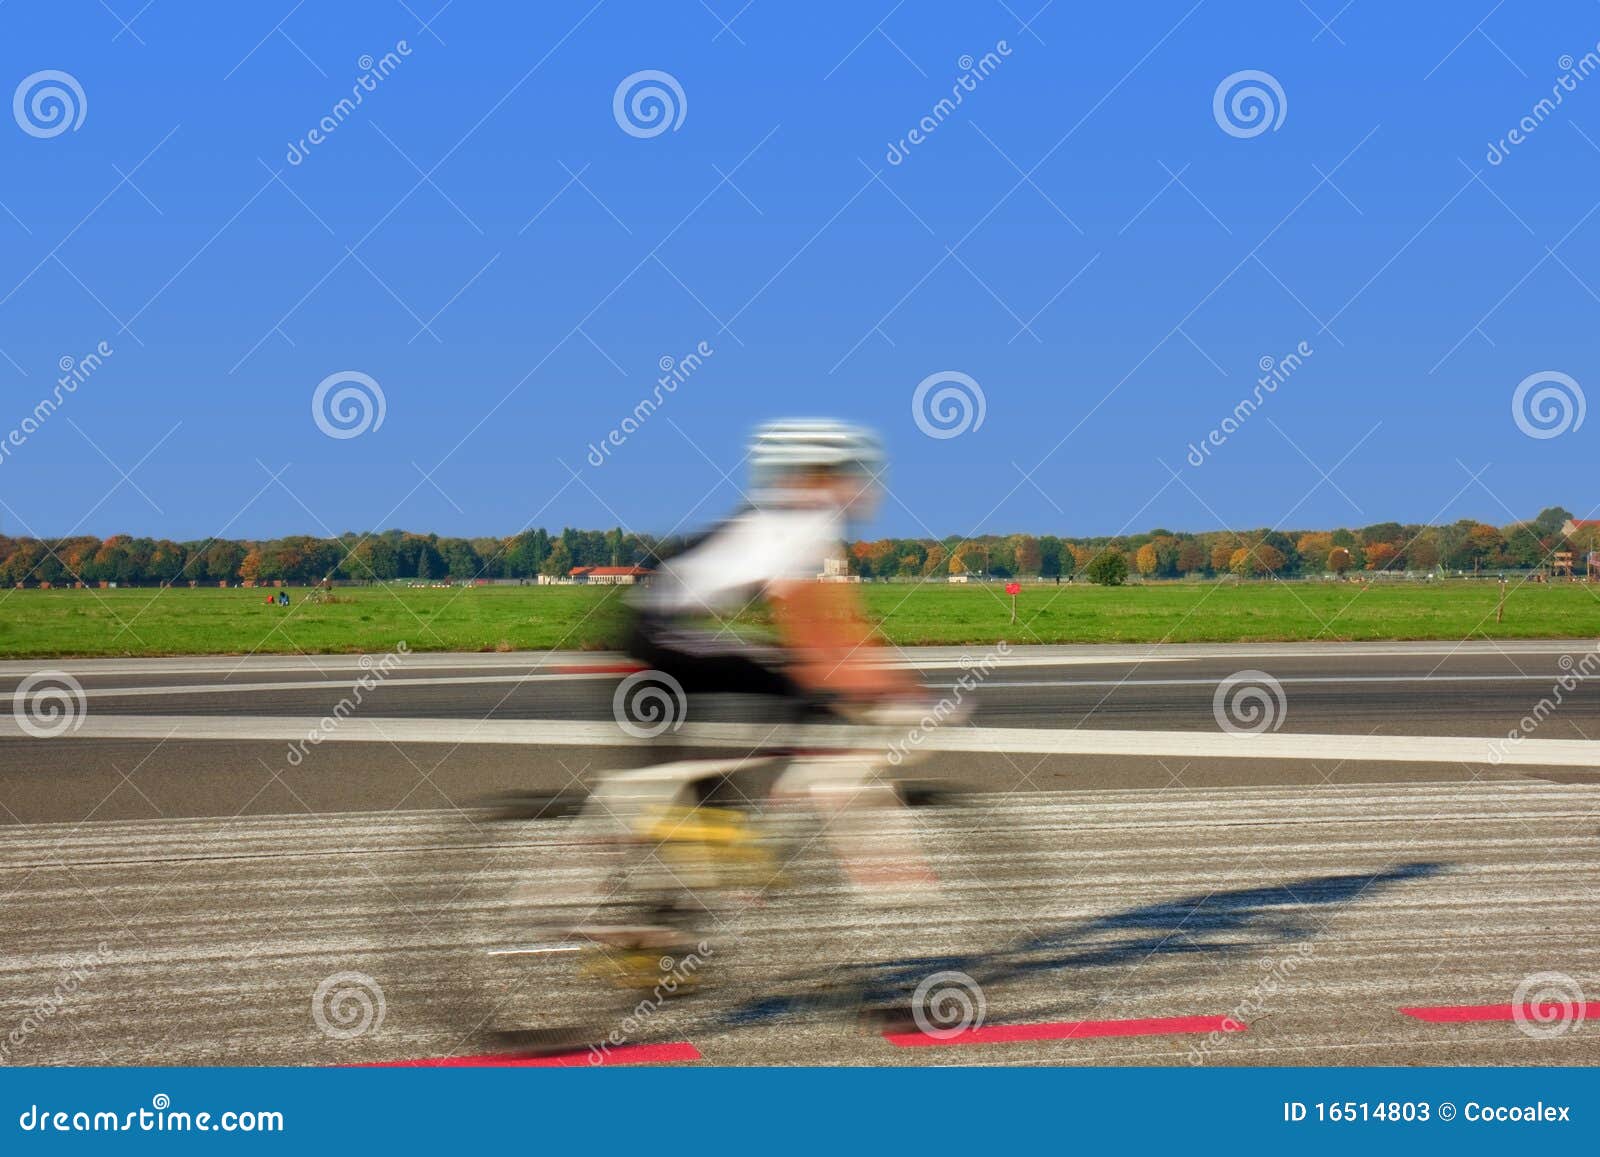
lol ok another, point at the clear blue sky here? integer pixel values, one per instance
(1080, 236)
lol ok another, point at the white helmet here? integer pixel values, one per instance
(782, 447)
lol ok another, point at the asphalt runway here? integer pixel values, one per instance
(1128, 882)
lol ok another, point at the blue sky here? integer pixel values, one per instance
(1081, 237)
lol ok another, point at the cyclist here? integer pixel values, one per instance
(810, 480)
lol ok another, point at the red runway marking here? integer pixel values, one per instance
(598, 669)
(1068, 1030)
(1462, 1013)
(622, 1055)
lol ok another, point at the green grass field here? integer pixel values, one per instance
(200, 621)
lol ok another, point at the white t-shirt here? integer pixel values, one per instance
(743, 557)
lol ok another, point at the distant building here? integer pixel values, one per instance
(1572, 525)
(609, 575)
(837, 570)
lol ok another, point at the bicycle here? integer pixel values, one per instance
(622, 914)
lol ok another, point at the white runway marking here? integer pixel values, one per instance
(921, 658)
(397, 681)
(1014, 740)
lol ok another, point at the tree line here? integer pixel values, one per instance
(1467, 545)
(303, 559)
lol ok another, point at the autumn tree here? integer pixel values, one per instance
(1484, 544)
(884, 557)
(1315, 544)
(970, 559)
(1381, 554)
(1256, 560)
(1423, 553)
(1030, 559)
(1146, 559)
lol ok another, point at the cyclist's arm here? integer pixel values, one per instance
(823, 626)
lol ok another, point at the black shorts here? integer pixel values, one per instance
(707, 662)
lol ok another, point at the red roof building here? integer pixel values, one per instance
(609, 575)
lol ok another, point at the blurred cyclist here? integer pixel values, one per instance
(810, 479)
